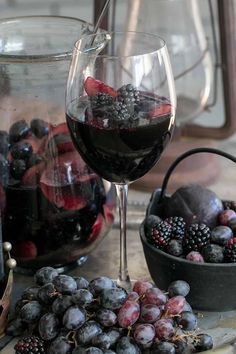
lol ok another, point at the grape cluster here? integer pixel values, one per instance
(72, 315)
(195, 242)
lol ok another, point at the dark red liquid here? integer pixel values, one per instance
(121, 155)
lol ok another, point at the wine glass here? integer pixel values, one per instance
(120, 109)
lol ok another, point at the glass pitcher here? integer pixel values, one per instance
(54, 209)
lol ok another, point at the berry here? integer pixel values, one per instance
(74, 318)
(178, 287)
(26, 250)
(93, 86)
(101, 341)
(87, 332)
(61, 304)
(178, 226)
(120, 113)
(106, 318)
(149, 313)
(82, 297)
(187, 321)
(133, 296)
(16, 327)
(18, 131)
(48, 326)
(88, 350)
(97, 285)
(17, 168)
(195, 256)
(141, 286)
(175, 305)
(213, 253)
(128, 94)
(47, 294)
(45, 275)
(65, 284)
(163, 348)
(225, 216)
(164, 329)
(150, 222)
(230, 251)
(31, 312)
(30, 345)
(128, 314)
(113, 298)
(59, 346)
(144, 334)
(221, 234)
(21, 150)
(175, 248)
(81, 282)
(127, 345)
(203, 342)
(39, 127)
(155, 296)
(160, 110)
(197, 236)
(101, 99)
(4, 142)
(161, 234)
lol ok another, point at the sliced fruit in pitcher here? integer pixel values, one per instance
(93, 86)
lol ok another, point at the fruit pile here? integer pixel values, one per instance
(200, 231)
(48, 194)
(70, 315)
(125, 107)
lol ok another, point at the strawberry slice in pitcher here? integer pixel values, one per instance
(160, 110)
(63, 181)
(93, 86)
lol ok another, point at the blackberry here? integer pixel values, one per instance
(178, 226)
(213, 253)
(101, 99)
(196, 237)
(230, 251)
(161, 235)
(30, 345)
(128, 94)
(120, 112)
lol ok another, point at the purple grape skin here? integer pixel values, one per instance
(178, 287)
(203, 342)
(97, 285)
(114, 335)
(164, 329)
(89, 350)
(16, 327)
(163, 348)
(187, 307)
(59, 346)
(127, 345)
(155, 296)
(106, 317)
(149, 313)
(47, 294)
(45, 275)
(82, 297)
(102, 341)
(85, 334)
(61, 304)
(31, 312)
(65, 284)
(113, 298)
(48, 326)
(74, 318)
(30, 293)
(81, 282)
(144, 335)
(187, 321)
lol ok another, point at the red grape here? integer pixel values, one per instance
(133, 296)
(141, 286)
(155, 296)
(144, 334)
(128, 314)
(175, 305)
(164, 329)
(149, 313)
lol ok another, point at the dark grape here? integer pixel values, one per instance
(30, 293)
(113, 298)
(39, 127)
(114, 335)
(74, 317)
(60, 346)
(45, 275)
(97, 285)
(106, 317)
(82, 297)
(48, 326)
(144, 334)
(81, 282)
(203, 342)
(89, 350)
(16, 327)
(187, 321)
(163, 348)
(61, 304)
(31, 312)
(178, 287)
(65, 284)
(127, 345)
(87, 332)
(47, 294)
(102, 341)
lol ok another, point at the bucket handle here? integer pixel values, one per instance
(187, 154)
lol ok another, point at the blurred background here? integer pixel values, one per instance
(200, 35)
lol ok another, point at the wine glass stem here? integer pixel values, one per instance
(123, 278)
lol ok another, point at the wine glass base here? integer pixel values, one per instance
(60, 268)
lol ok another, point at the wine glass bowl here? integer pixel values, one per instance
(120, 109)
